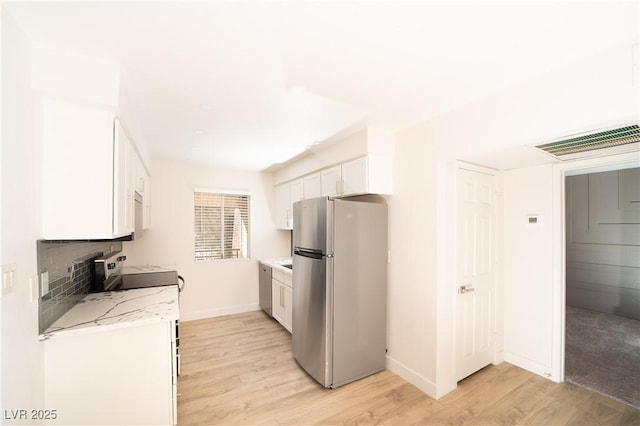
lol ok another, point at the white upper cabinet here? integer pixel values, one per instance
(331, 180)
(312, 186)
(371, 174)
(355, 177)
(142, 186)
(88, 160)
(283, 203)
(88, 169)
(365, 175)
(286, 195)
(296, 189)
(78, 171)
(122, 181)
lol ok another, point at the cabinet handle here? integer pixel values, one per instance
(282, 297)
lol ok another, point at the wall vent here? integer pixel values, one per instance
(594, 141)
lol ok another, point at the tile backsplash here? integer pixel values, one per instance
(70, 268)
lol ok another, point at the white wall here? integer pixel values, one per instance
(212, 288)
(22, 359)
(595, 92)
(528, 260)
(1, 109)
(412, 284)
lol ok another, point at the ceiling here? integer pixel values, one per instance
(251, 84)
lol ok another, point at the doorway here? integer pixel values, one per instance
(602, 282)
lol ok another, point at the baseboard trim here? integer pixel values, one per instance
(212, 313)
(412, 377)
(529, 365)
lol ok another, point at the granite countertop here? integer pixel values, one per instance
(117, 309)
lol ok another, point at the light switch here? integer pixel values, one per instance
(8, 277)
(44, 283)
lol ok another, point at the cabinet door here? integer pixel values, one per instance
(288, 309)
(312, 186)
(130, 368)
(146, 201)
(141, 183)
(121, 181)
(277, 301)
(124, 170)
(331, 180)
(355, 177)
(77, 171)
(296, 192)
(283, 206)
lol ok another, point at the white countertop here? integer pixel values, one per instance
(117, 309)
(278, 262)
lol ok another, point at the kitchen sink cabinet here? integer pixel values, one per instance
(88, 173)
(281, 293)
(120, 376)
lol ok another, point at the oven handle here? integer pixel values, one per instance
(180, 287)
(113, 283)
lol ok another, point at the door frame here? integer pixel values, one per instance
(560, 171)
(497, 325)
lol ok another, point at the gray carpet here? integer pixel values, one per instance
(602, 353)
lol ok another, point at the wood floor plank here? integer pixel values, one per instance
(239, 370)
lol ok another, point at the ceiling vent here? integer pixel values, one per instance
(615, 141)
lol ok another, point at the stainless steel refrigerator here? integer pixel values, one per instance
(339, 288)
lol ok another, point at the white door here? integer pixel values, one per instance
(475, 272)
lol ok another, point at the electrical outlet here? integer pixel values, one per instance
(8, 277)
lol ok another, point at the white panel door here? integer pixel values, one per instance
(475, 249)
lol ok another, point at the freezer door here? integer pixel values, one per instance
(311, 220)
(310, 340)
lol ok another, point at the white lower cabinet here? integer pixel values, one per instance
(281, 302)
(124, 376)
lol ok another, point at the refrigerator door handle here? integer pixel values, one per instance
(314, 254)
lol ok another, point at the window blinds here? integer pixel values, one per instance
(221, 225)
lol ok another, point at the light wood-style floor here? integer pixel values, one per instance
(239, 369)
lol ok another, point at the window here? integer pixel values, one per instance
(221, 225)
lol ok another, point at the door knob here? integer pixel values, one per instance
(468, 288)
